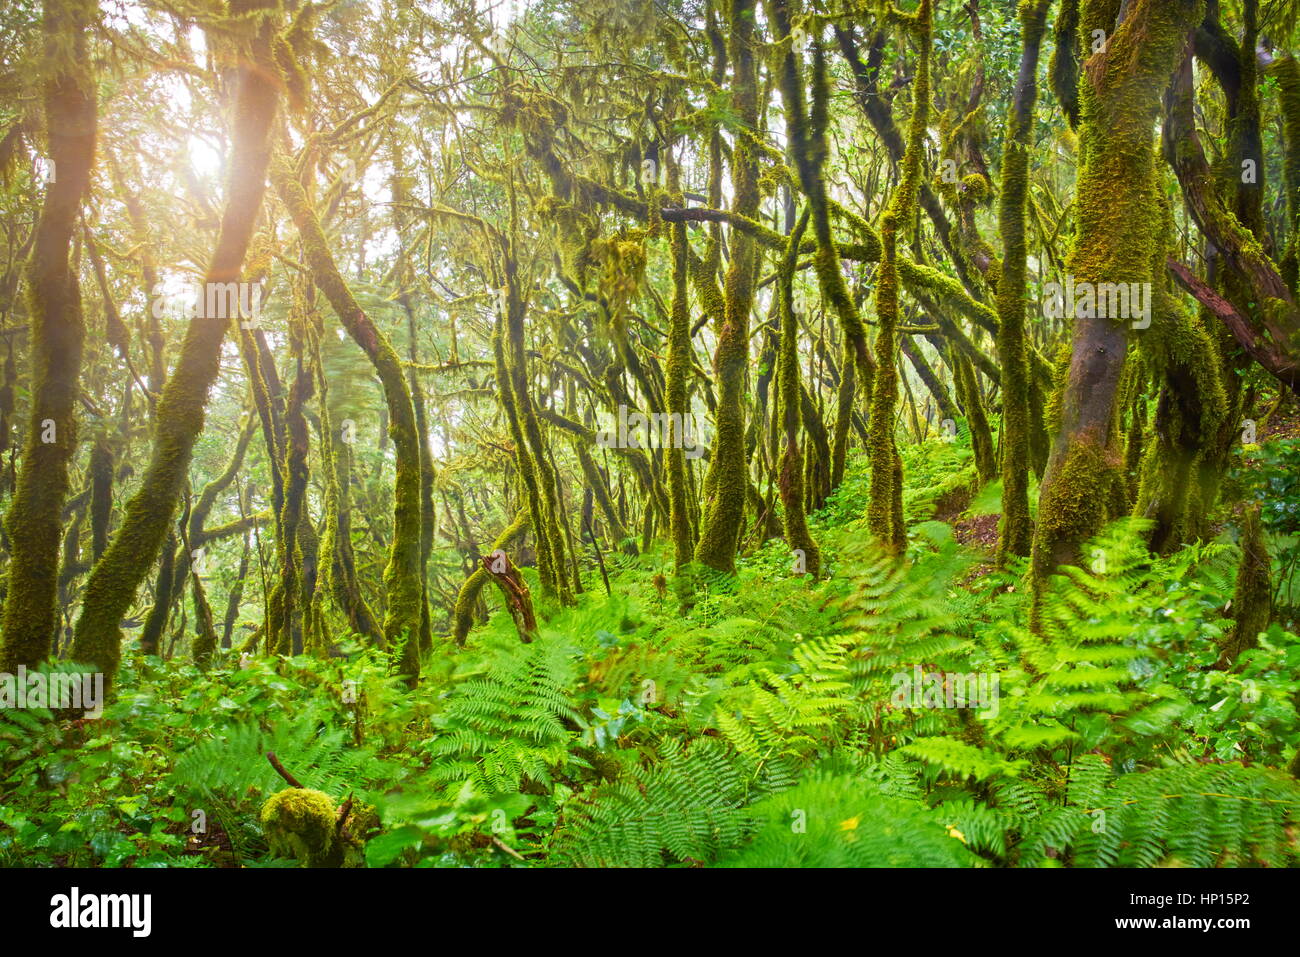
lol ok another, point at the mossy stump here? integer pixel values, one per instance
(303, 824)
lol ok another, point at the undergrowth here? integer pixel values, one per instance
(892, 714)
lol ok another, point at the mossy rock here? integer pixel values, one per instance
(303, 824)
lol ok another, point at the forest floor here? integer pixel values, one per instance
(638, 730)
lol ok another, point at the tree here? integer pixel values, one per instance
(35, 514)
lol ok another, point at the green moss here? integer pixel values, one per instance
(403, 582)
(1015, 536)
(1252, 598)
(975, 188)
(1067, 510)
(302, 824)
(884, 510)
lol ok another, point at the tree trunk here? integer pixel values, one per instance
(726, 481)
(1015, 532)
(1118, 222)
(402, 576)
(57, 334)
(116, 577)
(679, 362)
(884, 511)
(807, 555)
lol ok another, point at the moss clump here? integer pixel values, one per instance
(975, 188)
(303, 824)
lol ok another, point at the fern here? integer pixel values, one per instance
(901, 614)
(789, 715)
(843, 821)
(233, 760)
(686, 808)
(510, 724)
(962, 759)
(1076, 682)
(1213, 815)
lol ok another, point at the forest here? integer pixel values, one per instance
(649, 433)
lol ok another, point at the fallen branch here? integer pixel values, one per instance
(282, 770)
(1278, 362)
(518, 600)
(497, 842)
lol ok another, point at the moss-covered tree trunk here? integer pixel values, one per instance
(679, 366)
(1251, 295)
(1015, 531)
(57, 333)
(1118, 222)
(463, 611)
(925, 372)
(1191, 413)
(598, 486)
(117, 575)
(884, 511)
(205, 640)
(535, 449)
(236, 595)
(101, 495)
(428, 515)
(726, 481)
(155, 622)
(797, 535)
(286, 630)
(809, 150)
(343, 571)
(1252, 598)
(967, 386)
(402, 581)
(547, 568)
(1286, 71)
